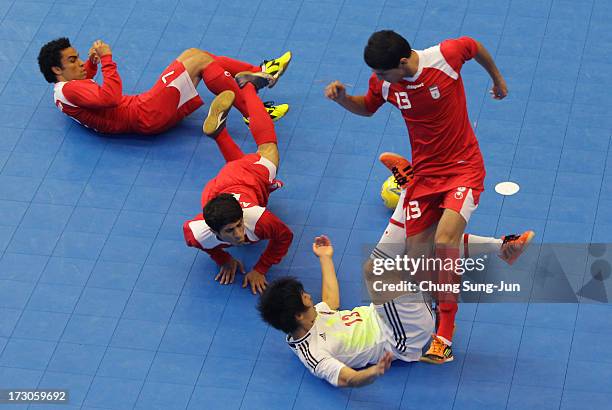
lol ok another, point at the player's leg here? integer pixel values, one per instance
(214, 126)
(202, 66)
(261, 125)
(458, 206)
(275, 67)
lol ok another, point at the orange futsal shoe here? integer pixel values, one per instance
(514, 245)
(438, 352)
(217, 113)
(399, 166)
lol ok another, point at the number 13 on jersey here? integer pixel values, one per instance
(403, 102)
(412, 210)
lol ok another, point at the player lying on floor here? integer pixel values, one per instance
(234, 202)
(333, 343)
(107, 109)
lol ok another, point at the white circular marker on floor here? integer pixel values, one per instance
(507, 188)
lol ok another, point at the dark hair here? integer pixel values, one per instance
(222, 210)
(280, 302)
(385, 49)
(50, 55)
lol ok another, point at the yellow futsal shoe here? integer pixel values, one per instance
(217, 113)
(276, 112)
(276, 67)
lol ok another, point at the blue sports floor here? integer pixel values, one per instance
(99, 294)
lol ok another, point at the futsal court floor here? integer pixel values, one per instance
(99, 294)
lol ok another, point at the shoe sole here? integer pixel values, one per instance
(433, 361)
(389, 154)
(530, 237)
(281, 72)
(217, 113)
(247, 77)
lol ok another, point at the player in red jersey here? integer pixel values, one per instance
(106, 109)
(426, 86)
(234, 202)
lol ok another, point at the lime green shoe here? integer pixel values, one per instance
(276, 112)
(276, 67)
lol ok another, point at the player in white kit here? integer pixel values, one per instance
(332, 343)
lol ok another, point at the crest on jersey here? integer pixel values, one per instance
(323, 336)
(459, 193)
(435, 92)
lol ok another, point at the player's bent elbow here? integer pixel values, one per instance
(345, 376)
(348, 377)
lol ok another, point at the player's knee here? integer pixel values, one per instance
(270, 152)
(195, 56)
(446, 240)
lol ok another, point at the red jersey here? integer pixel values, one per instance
(248, 180)
(434, 108)
(106, 109)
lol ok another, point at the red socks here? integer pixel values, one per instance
(235, 66)
(247, 102)
(228, 147)
(218, 80)
(260, 123)
(447, 301)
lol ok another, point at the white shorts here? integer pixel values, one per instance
(407, 322)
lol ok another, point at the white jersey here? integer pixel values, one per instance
(358, 337)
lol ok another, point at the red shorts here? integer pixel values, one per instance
(424, 211)
(249, 176)
(172, 98)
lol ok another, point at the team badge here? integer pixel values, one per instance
(435, 92)
(323, 336)
(459, 193)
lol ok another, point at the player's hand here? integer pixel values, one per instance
(383, 364)
(228, 271)
(93, 56)
(102, 48)
(322, 246)
(256, 280)
(335, 91)
(499, 90)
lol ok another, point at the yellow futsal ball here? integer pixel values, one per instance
(390, 192)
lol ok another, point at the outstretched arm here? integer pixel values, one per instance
(484, 58)
(330, 292)
(270, 227)
(357, 378)
(336, 91)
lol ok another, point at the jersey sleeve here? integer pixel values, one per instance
(457, 51)
(198, 235)
(328, 368)
(91, 69)
(393, 241)
(323, 307)
(373, 99)
(88, 94)
(270, 227)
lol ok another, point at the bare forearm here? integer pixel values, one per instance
(355, 104)
(359, 378)
(485, 59)
(330, 292)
